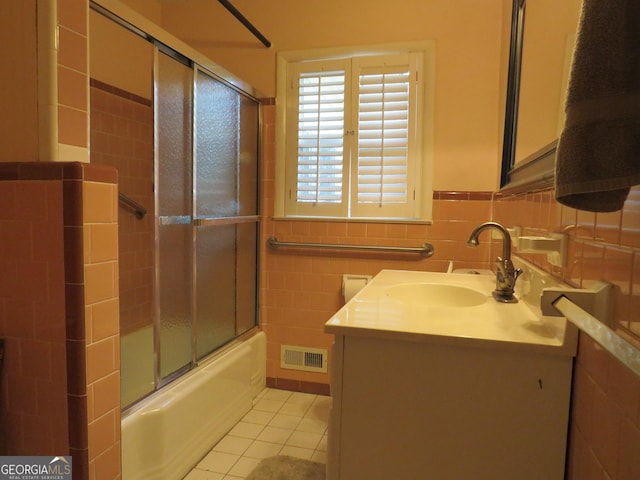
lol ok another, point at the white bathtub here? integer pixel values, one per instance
(167, 434)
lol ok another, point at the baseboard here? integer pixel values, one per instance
(298, 386)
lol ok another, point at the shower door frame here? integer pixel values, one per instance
(197, 221)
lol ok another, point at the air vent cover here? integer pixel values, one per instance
(303, 358)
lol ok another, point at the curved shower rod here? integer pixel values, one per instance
(236, 13)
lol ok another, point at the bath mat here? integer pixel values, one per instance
(282, 467)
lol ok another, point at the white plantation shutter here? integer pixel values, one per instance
(355, 148)
(321, 136)
(383, 163)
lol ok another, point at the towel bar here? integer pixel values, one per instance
(625, 352)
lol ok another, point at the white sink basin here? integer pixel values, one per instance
(436, 295)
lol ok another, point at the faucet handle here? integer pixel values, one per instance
(516, 273)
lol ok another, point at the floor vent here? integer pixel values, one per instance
(303, 358)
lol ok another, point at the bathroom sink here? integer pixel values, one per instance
(447, 308)
(436, 295)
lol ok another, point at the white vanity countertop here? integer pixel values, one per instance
(372, 312)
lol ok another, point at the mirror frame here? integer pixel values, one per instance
(536, 172)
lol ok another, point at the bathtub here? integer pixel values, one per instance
(166, 435)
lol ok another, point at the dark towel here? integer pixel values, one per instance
(598, 156)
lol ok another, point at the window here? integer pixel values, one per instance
(355, 138)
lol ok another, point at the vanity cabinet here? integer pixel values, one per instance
(406, 408)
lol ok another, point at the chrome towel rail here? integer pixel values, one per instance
(138, 210)
(627, 353)
(426, 250)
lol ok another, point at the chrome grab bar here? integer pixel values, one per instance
(138, 210)
(426, 250)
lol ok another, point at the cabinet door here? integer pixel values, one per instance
(415, 411)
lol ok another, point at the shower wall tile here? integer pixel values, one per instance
(122, 138)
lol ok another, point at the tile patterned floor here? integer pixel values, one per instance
(280, 423)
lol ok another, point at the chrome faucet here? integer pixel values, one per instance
(506, 274)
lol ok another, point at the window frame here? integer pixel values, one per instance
(422, 213)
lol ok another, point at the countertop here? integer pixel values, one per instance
(373, 312)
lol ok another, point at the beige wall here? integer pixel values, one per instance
(469, 61)
(120, 58)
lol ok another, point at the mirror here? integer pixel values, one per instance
(542, 40)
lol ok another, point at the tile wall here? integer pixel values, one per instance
(102, 329)
(33, 375)
(59, 314)
(72, 73)
(122, 137)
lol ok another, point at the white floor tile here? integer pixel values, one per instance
(280, 423)
(244, 467)
(297, 409)
(262, 450)
(319, 413)
(258, 417)
(274, 394)
(285, 421)
(266, 405)
(322, 401)
(234, 445)
(312, 425)
(246, 430)
(304, 440)
(275, 434)
(197, 474)
(301, 398)
(304, 453)
(218, 461)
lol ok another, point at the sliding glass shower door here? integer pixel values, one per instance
(207, 178)
(174, 202)
(226, 214)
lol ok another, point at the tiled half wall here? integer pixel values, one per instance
(59, 314)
